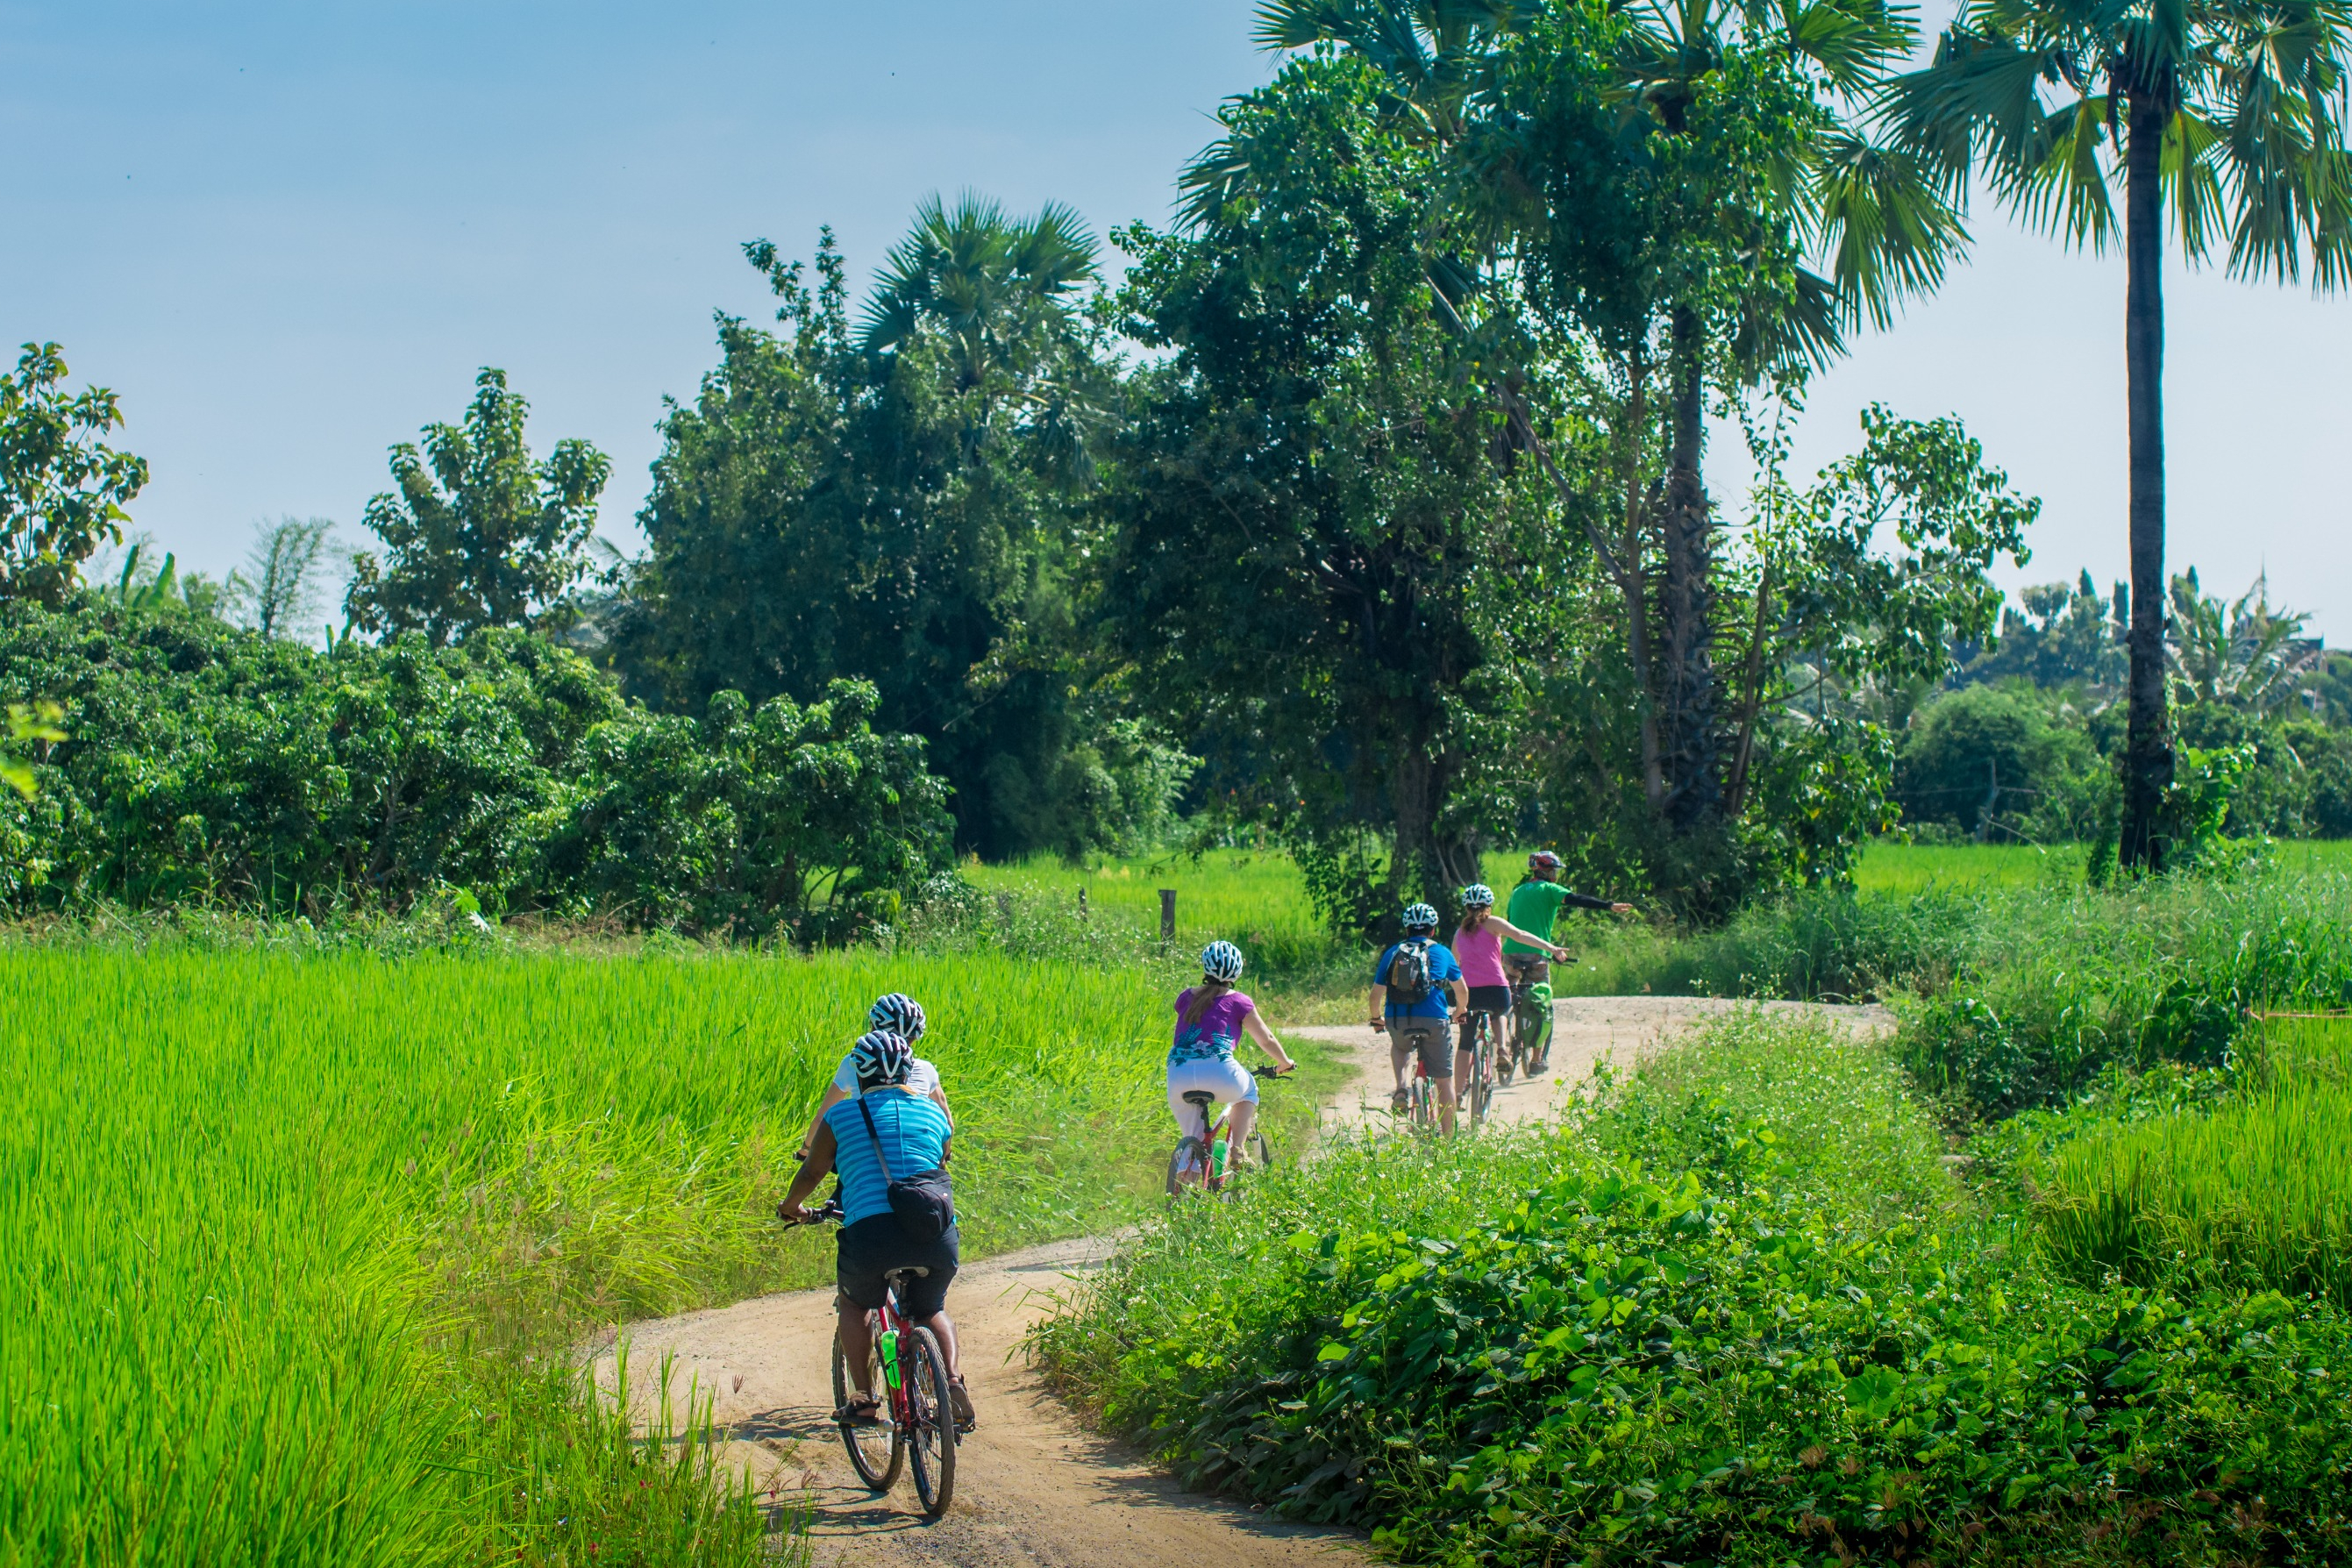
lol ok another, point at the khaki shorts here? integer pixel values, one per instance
(1432, 1037)
(1528, 968)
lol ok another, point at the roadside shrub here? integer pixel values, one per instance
(1739, 1314)
(210, 766)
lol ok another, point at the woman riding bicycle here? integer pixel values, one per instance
(887, 1125)
(1478, 948)
(1211, 1019)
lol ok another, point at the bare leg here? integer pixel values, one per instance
(1444, 1087)
(856, 1343)
(1237, 1127)
(942, 1326)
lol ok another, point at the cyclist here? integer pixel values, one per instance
(1478, 948)
(886, 1125)
(1211, 1019)
(1535, 905)
(895, 1014)
(1411, 985)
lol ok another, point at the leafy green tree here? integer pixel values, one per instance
(1980, 760)
(2064, 635)
(904, 503)
(478, 534)
(62, 488)
(2246, 655)
(1839, 620)
(277, 592)
(1304, 514)
(1625, 206)
(2222, 117)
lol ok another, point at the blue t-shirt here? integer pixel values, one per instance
(914, 1133)
(1442, 968)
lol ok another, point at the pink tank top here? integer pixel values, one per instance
(1480, 955)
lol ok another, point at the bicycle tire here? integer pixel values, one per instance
(878, 1471)
(1189, 1155)
(1506, 1060)
(932, 1440)
(1262, 1149)
(1481, 1085)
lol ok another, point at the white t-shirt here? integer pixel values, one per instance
(922, 1078)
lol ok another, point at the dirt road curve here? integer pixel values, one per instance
(1585, 1029)
(1034, 1487)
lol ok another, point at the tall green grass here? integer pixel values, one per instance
(2253, 1189)
(294, 1247)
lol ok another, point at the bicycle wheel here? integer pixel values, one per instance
(1480, 1090)
(1188, 1166)
(931, 1438)
(1262, 1149)
(874, 1452)
(1499, 1038)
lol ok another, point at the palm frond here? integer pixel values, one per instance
(1890, 230)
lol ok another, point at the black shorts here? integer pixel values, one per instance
(875, 1246)
(1490, 999)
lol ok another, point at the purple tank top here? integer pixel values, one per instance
(1217, 1033)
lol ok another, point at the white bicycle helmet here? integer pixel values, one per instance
(1221, 961)
(1420, 917)
(881, 1058)
(1478, 896)
(897, 1014)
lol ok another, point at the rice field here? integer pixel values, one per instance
(2254, 1191)
(288, 1241)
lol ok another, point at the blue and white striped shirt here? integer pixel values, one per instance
(914, 1133)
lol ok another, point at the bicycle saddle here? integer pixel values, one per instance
(1200, 1097)
(911, 1271)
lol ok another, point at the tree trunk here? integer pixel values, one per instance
(1631, 584)
(1686, 683)
(2148, 755)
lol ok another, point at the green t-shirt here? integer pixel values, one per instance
(1533, 908)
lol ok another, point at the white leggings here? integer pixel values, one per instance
(1220, 1076)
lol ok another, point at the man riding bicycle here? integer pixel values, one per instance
(1410, 986)
(1535, 905)
(888, 1130)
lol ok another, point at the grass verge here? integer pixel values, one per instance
(1739, 1313)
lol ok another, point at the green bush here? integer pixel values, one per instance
(1739, 1315)
(207, 765)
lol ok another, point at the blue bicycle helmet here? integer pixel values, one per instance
(1221, 961)
(1420, 917)
(881, 1058)
(898, 1014)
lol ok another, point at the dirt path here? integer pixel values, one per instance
(1033, 1486)
(1584, 1030)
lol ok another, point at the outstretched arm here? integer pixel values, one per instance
(1515, 935)
(1257, 1031)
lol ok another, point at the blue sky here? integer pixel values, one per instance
(289, 233)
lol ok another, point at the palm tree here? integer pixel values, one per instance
(2221, 117)
(1880, 227)
(997, 290)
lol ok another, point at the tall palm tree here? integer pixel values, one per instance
(2222, 117)
(995, 287)
(1880, 228)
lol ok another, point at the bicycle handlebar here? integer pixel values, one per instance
(828, 1213)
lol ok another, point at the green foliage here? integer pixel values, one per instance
(903, 506)
(1302, 513)
(214, 766)
(2065, 635)
(62, 488)
(1739, 1314)
(276, 592)
(477, 535)
(2000, 761)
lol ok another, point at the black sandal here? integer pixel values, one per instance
(863, 1410)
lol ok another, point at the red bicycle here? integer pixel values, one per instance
(906, 1369)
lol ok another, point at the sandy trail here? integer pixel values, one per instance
(1585, 1030)
(1033, 1486)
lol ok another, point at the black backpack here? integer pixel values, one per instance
(924, 1202)
(1407, 979)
